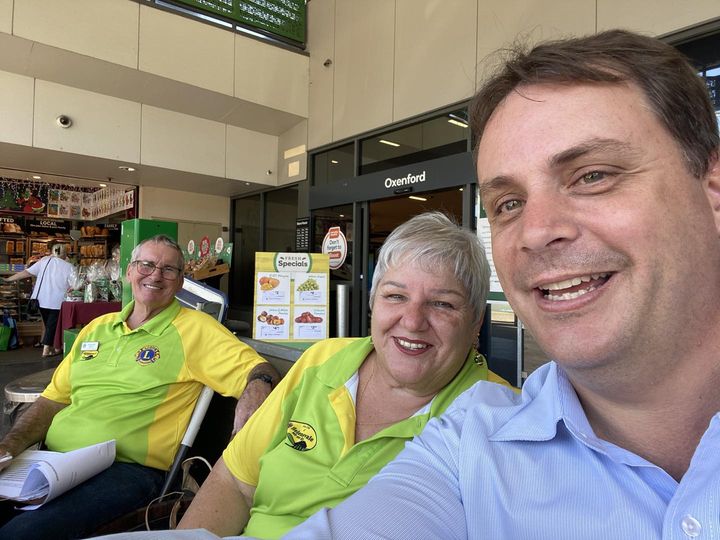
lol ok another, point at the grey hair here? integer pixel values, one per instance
(164, 240)
(59, 250)
(433, 240)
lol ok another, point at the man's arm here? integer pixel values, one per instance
(30, 427)
(222, 505)
(260, 382)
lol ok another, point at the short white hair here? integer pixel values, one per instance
(433, 240)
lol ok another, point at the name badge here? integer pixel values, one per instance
(89, 346)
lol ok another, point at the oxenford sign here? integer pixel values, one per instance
(405, 180)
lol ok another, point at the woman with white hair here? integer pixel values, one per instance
(349, 405)
(51, 275)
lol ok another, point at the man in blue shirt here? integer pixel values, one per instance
(598, 168)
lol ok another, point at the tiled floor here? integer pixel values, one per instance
(16, 364)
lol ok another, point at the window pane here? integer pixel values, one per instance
(280, 213)
(334, 165)
(438, 137)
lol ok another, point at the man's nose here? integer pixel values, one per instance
(547, 219)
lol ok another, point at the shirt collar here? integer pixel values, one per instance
(155, 326)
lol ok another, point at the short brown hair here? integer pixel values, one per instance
(673, 89)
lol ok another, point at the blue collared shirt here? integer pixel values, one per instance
(502, 466)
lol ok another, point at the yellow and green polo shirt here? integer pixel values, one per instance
(139, 386)
(299, 448)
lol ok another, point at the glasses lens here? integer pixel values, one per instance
(170, 272)
(145, 267)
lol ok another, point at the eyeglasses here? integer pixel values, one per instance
(146, 268)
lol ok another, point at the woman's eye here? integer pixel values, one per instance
(394, 296)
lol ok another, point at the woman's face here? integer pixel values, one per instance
(422, 327)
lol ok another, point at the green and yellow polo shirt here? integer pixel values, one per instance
(299, 448)
(139, 386)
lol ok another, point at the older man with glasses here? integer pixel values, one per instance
(132, 376)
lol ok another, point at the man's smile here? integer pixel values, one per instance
(569, 289)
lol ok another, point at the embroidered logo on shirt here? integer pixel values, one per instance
(301, 436)
(88, 355)
(147, 355)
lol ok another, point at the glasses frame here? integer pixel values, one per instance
(139, 263)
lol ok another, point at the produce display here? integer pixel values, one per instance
(310, 284)
(272, 320)
(268, 283)
(307, 317)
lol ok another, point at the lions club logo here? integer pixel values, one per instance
(147, 355)
(301, 436)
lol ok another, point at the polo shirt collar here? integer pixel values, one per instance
(155, 326)
(545, 396)
(334, 374)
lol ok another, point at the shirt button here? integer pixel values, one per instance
(691, 526)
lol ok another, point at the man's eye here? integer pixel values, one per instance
(508, 206)
(592, 177)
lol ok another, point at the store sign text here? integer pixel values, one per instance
(405, 180)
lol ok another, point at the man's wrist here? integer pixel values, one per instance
(263, 377)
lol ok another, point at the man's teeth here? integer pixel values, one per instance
(152, 287)
(569, 295)
(413, 346)
(572, 282)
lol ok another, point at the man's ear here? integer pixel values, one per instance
(711, 184)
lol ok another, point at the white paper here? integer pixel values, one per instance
(40, 476)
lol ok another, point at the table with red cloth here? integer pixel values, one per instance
(73, 314)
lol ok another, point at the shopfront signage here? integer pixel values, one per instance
(291, 296)
(50, 226)
(335, 246)
(295, 262)
(406, 180)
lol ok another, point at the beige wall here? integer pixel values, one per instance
(186, 103)
(185, 206)
(393, 59)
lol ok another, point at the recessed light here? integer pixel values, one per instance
(342, 215)
(335, 161)
(457, 123)
(416, 198)
(389, 143)
(460, 189)
(102, 185)
(36, 177)
(247, 183)
(126, 168)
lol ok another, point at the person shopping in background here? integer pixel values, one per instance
(349, 405)
(51, 275)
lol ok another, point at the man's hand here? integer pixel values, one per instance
(255, 393)
(5, 458)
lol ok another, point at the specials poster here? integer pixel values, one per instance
(291, 296)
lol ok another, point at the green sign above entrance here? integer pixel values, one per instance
(285, 18)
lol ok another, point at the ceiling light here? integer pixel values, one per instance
(102, 185)
(460, 189)
(334, 161)
(126, 168)
(389, 143)
(342, 215)
(247, 183)
(457, 123)
(36, 177)
(416, 198)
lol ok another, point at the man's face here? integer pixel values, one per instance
(154, 291)
(604, 243)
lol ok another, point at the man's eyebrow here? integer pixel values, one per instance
(487, 186)
(590, 146)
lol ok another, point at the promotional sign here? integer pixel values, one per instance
(335, 246)
(291, 296)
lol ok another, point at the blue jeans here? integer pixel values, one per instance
(116, 491)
